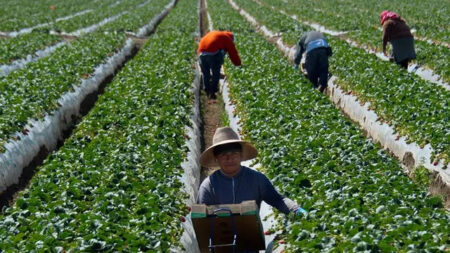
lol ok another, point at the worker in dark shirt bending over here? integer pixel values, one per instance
(316, 63)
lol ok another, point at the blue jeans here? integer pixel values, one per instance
(211, 64)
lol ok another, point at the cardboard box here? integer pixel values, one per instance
(249, 230)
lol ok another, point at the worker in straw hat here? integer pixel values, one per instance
(235, 183)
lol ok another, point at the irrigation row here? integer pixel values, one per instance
(423, 72)
(21, 63)
(45, 134)
(367, 119)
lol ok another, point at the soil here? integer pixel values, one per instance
(211, 112)
(438, 187)
(203, 19)
(139, 41)
(69, 38)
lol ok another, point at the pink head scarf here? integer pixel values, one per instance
(385, 15)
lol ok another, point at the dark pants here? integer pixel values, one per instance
(403, 51)
(211, 64)
(316, 64)
(404, 63)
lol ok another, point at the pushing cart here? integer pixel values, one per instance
(228, 228)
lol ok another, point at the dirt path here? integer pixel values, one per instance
(213, 114)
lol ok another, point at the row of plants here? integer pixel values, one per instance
(27, 44)
(115, 184)
(136, 18)
(368, 12)
(356, 194)
(365, 31)
(99, 14)
(19, 47)
(416, 108)
(33, 92)
(15, 16)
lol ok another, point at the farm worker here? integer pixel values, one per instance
(397, 32)
(234, 183)
(211, 50)
(316, 63)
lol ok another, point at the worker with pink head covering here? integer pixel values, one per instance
(397, 32)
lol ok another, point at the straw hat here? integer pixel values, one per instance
(226, 135)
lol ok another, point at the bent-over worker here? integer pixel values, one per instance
(234, 183)
(397, 32)
(211, 50)
(316, 63)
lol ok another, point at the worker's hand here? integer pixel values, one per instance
(300, 211)
(296, 67)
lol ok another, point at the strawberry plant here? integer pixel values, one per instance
(414, 107)
(96, 16)
(362, 24)
(357, 195)
(139, 13)
(135, 18)
(115, 184)
(23, 96)
(28, 13)
(32, 92)
(19, 47)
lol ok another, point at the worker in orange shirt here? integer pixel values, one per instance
(211, 50)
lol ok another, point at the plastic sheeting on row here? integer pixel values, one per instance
(94, 27)
(152, 24)
(422, 72)
(266, 211)
(18, 64)
(367, 119)
(46, 132)
(30, 29)
(191, 166)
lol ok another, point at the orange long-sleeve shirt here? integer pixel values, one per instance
(216, 40)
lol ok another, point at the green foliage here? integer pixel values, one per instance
(362, 24)
(115, 184)
(100, 13)
(357, 195)
(33, 91)
(414, 107)
(28, 13)
(21, 46)
(421, 175)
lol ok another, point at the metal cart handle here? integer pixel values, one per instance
(211, 235)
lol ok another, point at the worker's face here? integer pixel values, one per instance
(230, 162)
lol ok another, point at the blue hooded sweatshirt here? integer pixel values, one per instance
(248, 184)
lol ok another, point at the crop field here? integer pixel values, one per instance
(111, 177)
